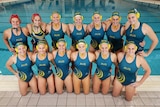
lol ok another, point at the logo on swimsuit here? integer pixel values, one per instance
(99, 73)
(41, 73)
(127, 68)
(79, 33)
(121, 77)
(42, 64)
(59, 72)
(23, 65)
(94, 43)
(78, 73)
(22, 76)
(56, 35)
(104, 64)
(132, 35)
(82, 64)
(61, 61)
(19, 40)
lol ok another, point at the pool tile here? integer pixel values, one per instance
(99, 101)
(109, 101)
(81, 101)
(62, 101)
(71, 101)
(33, 101)
(147, 101)
(14, 101)
(4, 101)
(90, 101)
(23, 101)
(47, 101)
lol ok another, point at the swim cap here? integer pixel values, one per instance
(41, 42)
(34, 15)
(77, 14)
(97, 12)
(56, 13)
(105, 41)
(130, 42)
(135, 12)
(14, 16)
(61, 40)
(18, 44)
(81, 41)
(115, 13)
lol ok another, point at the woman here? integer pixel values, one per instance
(36, 29)
(56, 29)
(15, 34)
(104, 61)
(63, 72)
(97, 31)
(24, 72)
(128, 65)
(77, 30)
(42, 60)
(81, 73)
(136, 31)
(115, 31)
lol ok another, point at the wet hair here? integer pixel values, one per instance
(14, 16)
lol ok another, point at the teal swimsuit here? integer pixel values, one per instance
(136, 35)
(103, 67)
(127, 72)
(77, 35)
(81, 69)
(20, 38)
(44, 67)
(96, 37)
(62, 66)
(56, 35)
(24, 68)
(115, 39)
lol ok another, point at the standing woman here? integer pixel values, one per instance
(56, 29)
(24, 72)
(15, 34)
(81, 72)
(36, 29)
(97, 31)
(104, 61)
(136, 31)
(43, 59)
(77, 30)
(115, 31)
(63, 71)
(128, 65)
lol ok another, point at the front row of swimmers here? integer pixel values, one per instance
(73, 78)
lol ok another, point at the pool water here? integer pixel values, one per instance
(67, 8)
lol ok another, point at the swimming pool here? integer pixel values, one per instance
(67, 8)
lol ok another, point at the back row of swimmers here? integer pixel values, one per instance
(73, 78)
(133, 30)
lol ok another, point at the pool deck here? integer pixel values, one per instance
(148, 94)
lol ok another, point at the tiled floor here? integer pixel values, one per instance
(148, 95)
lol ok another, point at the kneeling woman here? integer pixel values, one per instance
(43, 59)
(104, 61)
(128, 65)
(24, 72)
(62, 61)
(81, 73)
